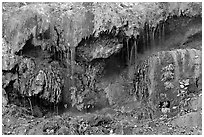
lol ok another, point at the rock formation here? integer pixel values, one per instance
(140, 60)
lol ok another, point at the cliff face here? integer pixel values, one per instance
(134, 67)
(64, 55)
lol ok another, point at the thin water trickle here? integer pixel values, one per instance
(54, 53)
(131, 54)
(147, 35)
(23, 101)
(31, 106)
(127, 50)
(163, 33)
(135, 45)
(72, 64)
(159, 29)
(153, 37)
(57, 110)
(144, 42)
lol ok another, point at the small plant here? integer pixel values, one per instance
(167, 76)
(73, 95)
(168, 85)
(183, 94)
(168, 73)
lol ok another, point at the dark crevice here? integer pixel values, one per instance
(13, 70)
(164, 104)
(30, 50)
(13, 95)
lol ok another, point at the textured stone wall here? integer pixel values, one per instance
(169, 76)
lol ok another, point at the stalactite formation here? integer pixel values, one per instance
(47, 83)
(63, 61)
(101, 68)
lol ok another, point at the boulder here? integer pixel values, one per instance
(196, 103)
(99, 48)
(193, 119)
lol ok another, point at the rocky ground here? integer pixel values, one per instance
(18, 121)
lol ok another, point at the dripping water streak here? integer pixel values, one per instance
(147, 32)
(57, 110)
(30, 105)
(159, 29)
(40, 101)
(127, 51)
(135, 45)
(152, 63)
(150, 38)
(163, 33)
(54, 108)
(144, 42)
(175, 56)
(72, 64)
(131, 54)
(62, 54)
(54, 53)
(153, 35)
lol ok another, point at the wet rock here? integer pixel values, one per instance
(4, 98)
(85, 96)
(41, 78)
(98, 49)
(25, 22)
(150, 81)
(41, 33)
(63, 26)
(196, 103)
(43, 24)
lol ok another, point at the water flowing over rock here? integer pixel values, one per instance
(101, 68)
(157, 79)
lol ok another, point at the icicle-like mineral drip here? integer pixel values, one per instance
(159, 34)
(153, 35)
(163, 33)
(135, 45)
(127, 51)
(144, 42)
(131, 54)
(72, 64)
(147, 35)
